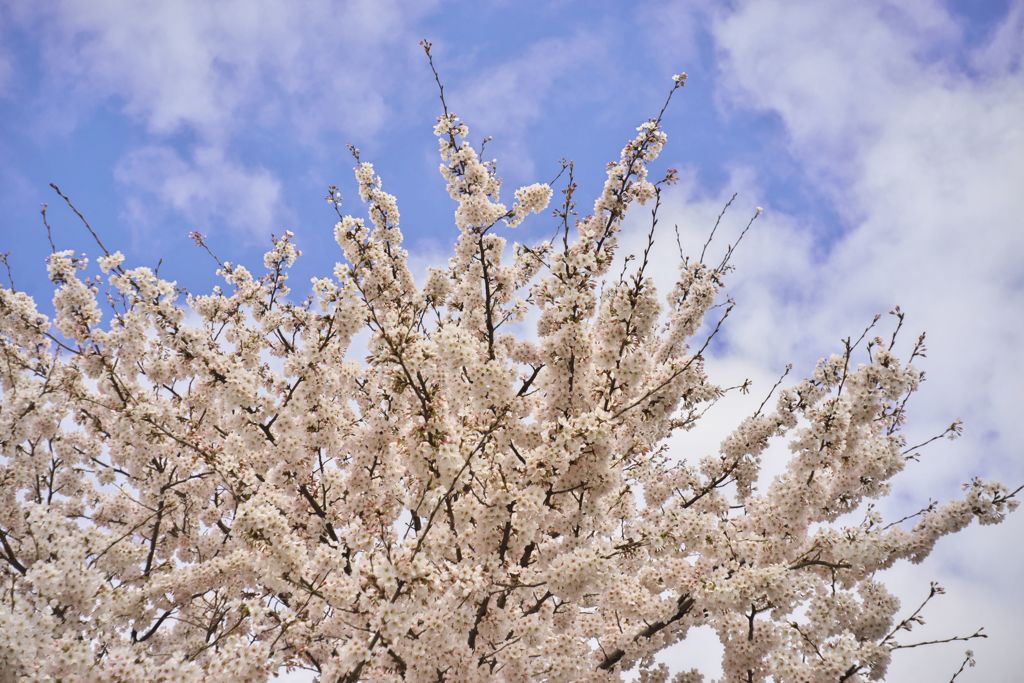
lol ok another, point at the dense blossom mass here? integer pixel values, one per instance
(215, 488)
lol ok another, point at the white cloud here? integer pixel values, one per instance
(204, 73)
(923, 163)
(207, 190)
(832, 85)
(922, 160)
(680, 25)
(206, 67)
(930, 162)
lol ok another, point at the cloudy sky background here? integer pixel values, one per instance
(885, 141)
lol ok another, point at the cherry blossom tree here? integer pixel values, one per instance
(196, 485)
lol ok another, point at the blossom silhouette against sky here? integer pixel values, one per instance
(884, 141)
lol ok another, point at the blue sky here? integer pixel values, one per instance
(161, 122)
(884, 140)
(134, 127)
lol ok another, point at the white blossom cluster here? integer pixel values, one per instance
(181, 501)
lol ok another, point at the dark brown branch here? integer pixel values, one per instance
(684, 605)
(9, 554)
(145, 636)
(152, 541)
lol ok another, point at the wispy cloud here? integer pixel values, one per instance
(204, 66)
(1003, 52)
(206, 189)
(679, 27)
(6, 70)
(508, 97)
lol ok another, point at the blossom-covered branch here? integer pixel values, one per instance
(211, 486)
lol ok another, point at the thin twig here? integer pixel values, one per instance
(717, 222)
(49, 230)
(4, 256)
(82, 218)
